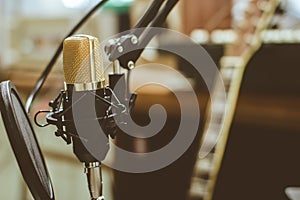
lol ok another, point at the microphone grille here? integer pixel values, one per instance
(82, 60)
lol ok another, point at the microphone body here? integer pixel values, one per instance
(84, 82)
(86, 106)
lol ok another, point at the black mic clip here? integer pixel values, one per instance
(112, 117)
(55, 117)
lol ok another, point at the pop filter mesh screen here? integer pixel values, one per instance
(24, 143)
(30, 141)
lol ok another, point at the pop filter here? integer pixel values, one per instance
(24, 143)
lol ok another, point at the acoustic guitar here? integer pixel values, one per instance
(248, 40)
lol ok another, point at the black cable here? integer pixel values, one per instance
(49, 67)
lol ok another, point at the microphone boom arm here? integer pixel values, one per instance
(128, 48)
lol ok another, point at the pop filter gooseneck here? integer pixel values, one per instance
(24, 143)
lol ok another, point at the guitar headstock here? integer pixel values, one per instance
(257, 17)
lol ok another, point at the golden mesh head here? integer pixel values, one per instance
(82, 60)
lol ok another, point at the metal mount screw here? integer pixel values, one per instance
(120, 49)
(134, 39)
(131, 65)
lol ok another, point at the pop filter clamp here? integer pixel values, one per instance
(123, 51)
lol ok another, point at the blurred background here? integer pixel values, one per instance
(261, 155)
